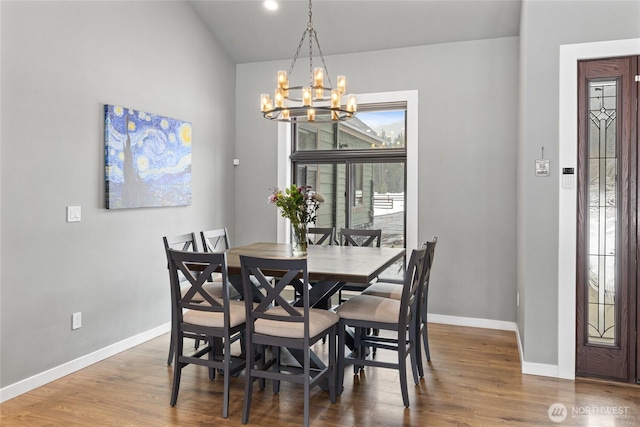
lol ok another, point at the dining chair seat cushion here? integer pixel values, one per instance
(385, 290)
(369, 307)
(319, 320)
(237, 316)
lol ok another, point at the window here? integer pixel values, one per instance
(359, 168)
(388, 161)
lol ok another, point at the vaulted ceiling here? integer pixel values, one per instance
(250, 33)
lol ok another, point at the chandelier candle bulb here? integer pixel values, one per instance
(311, 114)
(352, 104)
(282, 79)
(264, 101)
(285, 114)
(335, 98)
(318, 78)
(306, 96)
(279, 98)
(342, 84)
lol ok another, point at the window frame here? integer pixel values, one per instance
(376, 101)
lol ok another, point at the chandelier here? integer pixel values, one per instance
(317, 102)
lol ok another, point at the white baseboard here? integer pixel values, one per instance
(531, 368)
(472, 322)
(21, 387)
(28, 384)
(528, 368)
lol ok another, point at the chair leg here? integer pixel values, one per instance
(177, 371)
(307, 385)
(171, 350)
(248, 381)
(362, 349)
(425, 341)
(425, 333)
(332, 365)
(263, 358)
(414, 353)
(276, 368)
(341, 345)
(357, 349)
(414, 335)
(213, 346)
(227, 377)
(402, 368)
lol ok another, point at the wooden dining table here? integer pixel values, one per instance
(329, 267)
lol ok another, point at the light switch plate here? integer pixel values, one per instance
(74, 213)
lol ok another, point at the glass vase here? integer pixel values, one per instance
(299, 239)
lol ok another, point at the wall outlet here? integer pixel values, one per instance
(76, 320)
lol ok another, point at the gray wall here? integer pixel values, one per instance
(468, 96)
(61, 62)
(546, 25)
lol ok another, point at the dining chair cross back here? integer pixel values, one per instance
(277, 323)
(358, 237)
(366, 313)
(201, 314)
(322, 235)
(216, 240)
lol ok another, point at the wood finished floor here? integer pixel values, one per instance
(473, 379)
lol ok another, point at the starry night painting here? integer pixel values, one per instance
(148, 159)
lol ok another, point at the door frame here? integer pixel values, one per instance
(567, 198)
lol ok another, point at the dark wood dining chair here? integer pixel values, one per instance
(198, 314)
(184, 242)
(278, 323)
(394, 290)
(366, 313)
(358, 237)
(322, 235)
(217, 241)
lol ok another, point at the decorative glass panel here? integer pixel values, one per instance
(603, 214)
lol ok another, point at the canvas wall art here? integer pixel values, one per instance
(148, 159)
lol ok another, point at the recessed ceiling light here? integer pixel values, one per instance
(271, 5)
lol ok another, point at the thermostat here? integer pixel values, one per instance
(568, 180)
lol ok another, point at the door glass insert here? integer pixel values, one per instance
(602, 213)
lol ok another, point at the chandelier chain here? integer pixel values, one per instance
(295, 57)
(311, 32)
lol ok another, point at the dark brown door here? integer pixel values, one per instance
(607, 219)
(635, 213)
